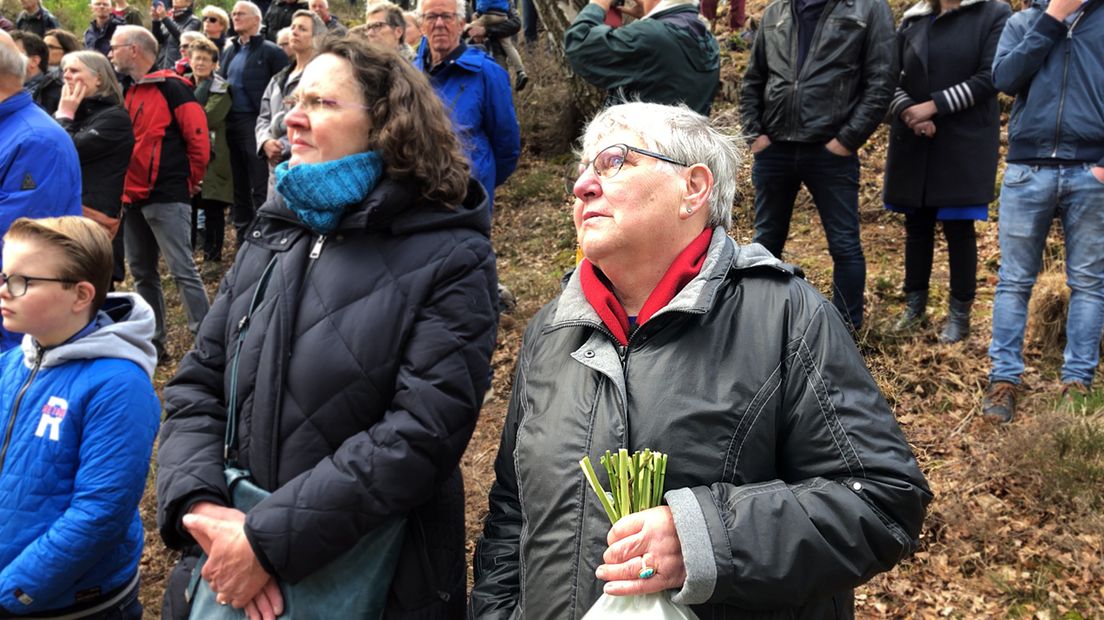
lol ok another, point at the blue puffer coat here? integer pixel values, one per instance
(79, 422)
(477, 93)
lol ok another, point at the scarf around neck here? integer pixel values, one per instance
(319, 193)
(599, 293)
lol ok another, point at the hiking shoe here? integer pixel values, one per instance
(1073, 395)
(520, 81)
(999, 403)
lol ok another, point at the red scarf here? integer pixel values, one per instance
(686, 266)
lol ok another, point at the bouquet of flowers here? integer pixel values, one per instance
(636, 484)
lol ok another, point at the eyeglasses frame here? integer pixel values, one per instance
(5, 281)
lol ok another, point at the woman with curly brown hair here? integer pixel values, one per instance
(357, 386)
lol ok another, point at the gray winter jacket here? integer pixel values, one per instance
(789, 480)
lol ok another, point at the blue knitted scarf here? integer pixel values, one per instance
(319, 193)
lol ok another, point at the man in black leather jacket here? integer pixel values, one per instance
(818, 83)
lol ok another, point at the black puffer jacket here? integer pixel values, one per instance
(789, 480)
(359, 385)
(104, 138)
(845, 83)
(167, 32)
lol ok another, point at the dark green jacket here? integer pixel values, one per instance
(214, 95)
(669, 57)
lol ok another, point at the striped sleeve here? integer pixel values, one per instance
(901, 101)
(955, 99)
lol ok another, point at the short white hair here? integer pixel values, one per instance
(249, 6)
(12, 62)
(283, 32)
(461, 9)
(683, 135)
(324, 3)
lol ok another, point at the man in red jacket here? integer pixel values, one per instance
(171, 151)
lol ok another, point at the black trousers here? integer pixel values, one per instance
(920, 247)
(215, 226)
(249, 169)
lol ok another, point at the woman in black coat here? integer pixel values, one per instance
(943, 148)
(91, 110)
(361, 377)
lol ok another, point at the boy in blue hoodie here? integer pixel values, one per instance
(79, 416)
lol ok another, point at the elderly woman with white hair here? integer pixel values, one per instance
(789, 482)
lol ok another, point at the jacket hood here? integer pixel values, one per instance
(700, 49)
(923, 7)
(398, 207)
(123, 330)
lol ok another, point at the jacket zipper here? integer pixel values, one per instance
(795, 106)
(15, 407)
(312, 260)
(1065, 78)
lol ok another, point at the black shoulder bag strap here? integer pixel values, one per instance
(231, 442)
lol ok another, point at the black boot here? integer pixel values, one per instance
(915, 313)
(957, 326)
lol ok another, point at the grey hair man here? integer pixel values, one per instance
(385, 27)
(171, 152)
(474, 89)
(248, 64)
(321, 8)
(39, 169)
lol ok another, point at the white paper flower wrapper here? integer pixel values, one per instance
(655, 606)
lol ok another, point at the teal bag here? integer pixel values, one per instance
(354, 586)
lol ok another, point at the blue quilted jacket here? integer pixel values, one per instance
(78, 423)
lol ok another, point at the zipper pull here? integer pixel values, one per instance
(317, 249)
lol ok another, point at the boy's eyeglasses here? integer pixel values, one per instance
(17, 284)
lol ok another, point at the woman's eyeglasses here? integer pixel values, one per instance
(17, 285)
(608, 162)
(212, 20)
(311, 103)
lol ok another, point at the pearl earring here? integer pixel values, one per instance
(689, 209)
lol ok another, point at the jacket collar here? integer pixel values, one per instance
(665, 5)
(391, 206)
(16, 102)
(923, 8)
(697, 297)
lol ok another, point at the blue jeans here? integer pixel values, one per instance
(1030, 199)
(778, 173)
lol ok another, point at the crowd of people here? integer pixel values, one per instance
(341, 366)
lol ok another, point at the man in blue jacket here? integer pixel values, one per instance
(39, 168)
(248, 63)
(1049, 59)
(475, 90)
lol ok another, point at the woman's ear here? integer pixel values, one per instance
(699, 187)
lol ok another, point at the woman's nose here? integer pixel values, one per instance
(588, 185)
(296, 118)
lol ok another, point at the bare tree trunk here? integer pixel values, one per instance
(556, 16)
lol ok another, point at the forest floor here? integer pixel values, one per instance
(1016, 528)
